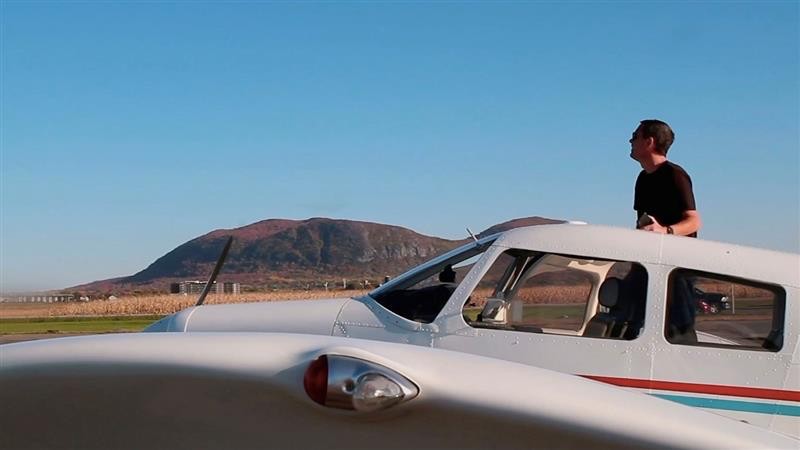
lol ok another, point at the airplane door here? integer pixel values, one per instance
(566, 313)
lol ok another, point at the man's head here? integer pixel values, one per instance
(651, 136)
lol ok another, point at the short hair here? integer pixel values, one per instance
(660, 132)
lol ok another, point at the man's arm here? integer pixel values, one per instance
(690, 223)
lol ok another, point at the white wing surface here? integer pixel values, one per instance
(246, 390)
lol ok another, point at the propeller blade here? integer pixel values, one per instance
(215, 272)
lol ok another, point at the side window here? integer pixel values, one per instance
(715, 310)
(558, 294)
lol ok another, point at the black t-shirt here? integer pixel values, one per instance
(664, 194)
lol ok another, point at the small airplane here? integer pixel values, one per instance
(552, 336)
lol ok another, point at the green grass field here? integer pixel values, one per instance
(76, 324)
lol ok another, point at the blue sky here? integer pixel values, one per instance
(128, 128)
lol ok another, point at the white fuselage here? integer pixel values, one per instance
(754, 385)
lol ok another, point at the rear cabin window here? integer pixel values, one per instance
(714, 310)
(559, 294)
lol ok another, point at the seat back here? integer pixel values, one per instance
(624, 299)
(603, 323)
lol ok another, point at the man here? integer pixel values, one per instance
(664, 203)
(663, 197)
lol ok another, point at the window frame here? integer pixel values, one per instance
(778, 307)
(515, 275)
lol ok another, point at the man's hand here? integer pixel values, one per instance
(690, 224)
(655, 227)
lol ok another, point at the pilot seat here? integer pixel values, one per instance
(625, 312)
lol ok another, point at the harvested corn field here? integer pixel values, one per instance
(155, 304)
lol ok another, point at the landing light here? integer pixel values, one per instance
(344, 382)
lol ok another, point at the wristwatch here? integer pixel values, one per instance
(670, 230)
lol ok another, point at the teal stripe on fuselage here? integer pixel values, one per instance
(734, 405)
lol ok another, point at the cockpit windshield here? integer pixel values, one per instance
(420, 293)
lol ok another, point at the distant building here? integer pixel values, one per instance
(41, 298)
(196, 287)
(229, 288)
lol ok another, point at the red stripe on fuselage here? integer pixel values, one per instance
(715, 389)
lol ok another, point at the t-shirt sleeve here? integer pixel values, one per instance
(683, 185)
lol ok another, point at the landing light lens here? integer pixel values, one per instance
(374, 391)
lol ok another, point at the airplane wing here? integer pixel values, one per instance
(270, 390)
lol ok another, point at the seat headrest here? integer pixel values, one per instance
(609, 292)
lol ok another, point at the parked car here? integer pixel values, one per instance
(711, 302)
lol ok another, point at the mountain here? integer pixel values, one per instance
(295, 253)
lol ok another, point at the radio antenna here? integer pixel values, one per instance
(472, 235)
